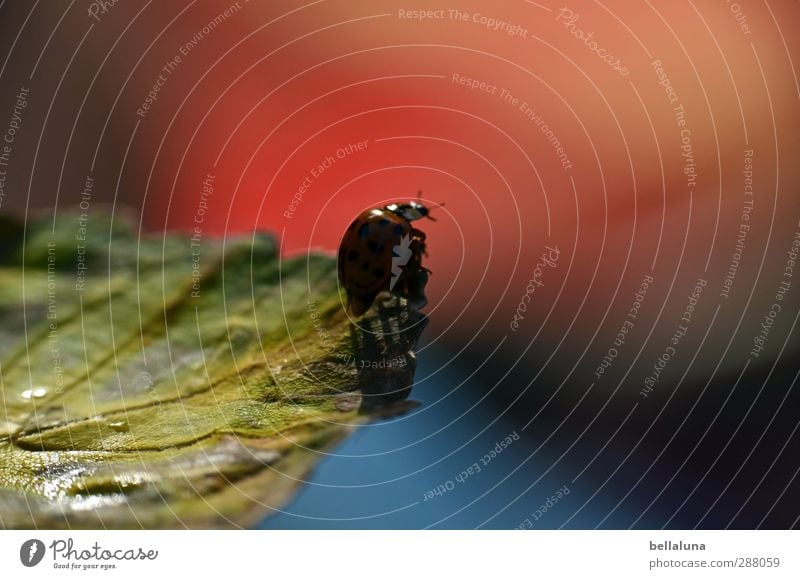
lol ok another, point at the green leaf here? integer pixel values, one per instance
(177, 381)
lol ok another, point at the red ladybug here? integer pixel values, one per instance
(382, 251)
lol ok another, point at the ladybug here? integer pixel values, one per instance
(382, 251)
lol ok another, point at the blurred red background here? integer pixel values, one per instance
(265, 92)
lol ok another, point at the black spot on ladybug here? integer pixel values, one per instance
(366, 250)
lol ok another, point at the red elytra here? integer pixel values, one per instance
(382, 251)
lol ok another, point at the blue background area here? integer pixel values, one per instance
(379, 477)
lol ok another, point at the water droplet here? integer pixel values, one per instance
(34, 393)
(119, 425)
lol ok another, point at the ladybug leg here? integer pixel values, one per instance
(419, 241)
(359, 305)
(416, 291)
(416, 280)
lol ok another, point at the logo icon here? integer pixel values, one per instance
(31, 553)
(401, 253)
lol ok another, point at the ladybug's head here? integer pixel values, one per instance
(410, 211)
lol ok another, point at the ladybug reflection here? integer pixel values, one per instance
(382, 251)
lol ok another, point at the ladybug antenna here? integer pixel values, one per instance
(436, 205)
(428, 215)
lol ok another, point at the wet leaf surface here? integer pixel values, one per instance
(172, 382)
